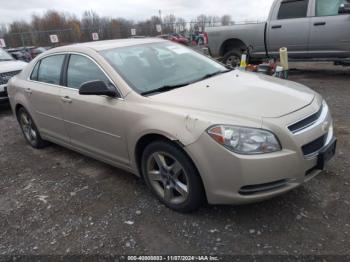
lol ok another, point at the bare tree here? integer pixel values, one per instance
(226, 20)
(169, 23)
(3, 30)
(70, 29)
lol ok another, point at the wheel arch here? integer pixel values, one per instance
(232, 44)
(18, 106)
(147, 139)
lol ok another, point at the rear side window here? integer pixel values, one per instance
(50, 69)
(81, 69)
(328, 8)
(293, 9)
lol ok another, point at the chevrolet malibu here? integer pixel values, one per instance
(194, 130)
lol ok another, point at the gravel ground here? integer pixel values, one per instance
(55, 201)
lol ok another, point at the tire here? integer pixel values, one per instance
(29, 129)
(232, 59)
(172, 177)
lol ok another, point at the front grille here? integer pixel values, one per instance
(261, 188)
(314, 146)
(5, 77)
(306, 122)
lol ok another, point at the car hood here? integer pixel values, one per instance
(240, 94)
(9, 66)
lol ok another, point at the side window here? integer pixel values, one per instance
(34, 75)
(328, 8)
(293, 9)
(81, 70)
(50, 69)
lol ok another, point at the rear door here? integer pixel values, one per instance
(289, 27)
(94, 123)
(43, 91)
(330, 31)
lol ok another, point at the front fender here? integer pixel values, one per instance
(183, 128)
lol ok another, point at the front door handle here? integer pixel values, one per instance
(276, 26)
(28, 90)
(319, 23)
(66, 99)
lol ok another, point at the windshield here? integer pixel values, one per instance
(153, 66)
(4, 56)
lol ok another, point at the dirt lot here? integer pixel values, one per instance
(55, 201)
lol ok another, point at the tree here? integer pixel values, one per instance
(226, 20)
(169, 24)
(71, 29)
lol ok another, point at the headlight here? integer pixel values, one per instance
(243, 140)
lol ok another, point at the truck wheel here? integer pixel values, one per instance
(232, 59)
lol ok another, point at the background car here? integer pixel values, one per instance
(20, 53)
(9, 67)
(37, 51)
(177, 38)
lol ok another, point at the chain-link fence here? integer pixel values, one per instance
(76, 34)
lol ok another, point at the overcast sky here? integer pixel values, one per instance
(240, 10)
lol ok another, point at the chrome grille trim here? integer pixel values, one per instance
(315, 119)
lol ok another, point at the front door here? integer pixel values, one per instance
(94, 123)
(289, 27)
(330, 33)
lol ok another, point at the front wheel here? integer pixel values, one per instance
(29, 129)
(172, 176)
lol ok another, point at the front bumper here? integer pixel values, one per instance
(231, 178)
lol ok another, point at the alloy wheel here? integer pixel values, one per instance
(168, 178)
(28, 128)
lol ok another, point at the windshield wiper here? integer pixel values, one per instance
(212, 74)
(164, 88)
(171, 87)
(3, 59)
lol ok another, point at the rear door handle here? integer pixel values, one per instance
(28, 90)
(276, 26)
(66, 99)
(319, 23)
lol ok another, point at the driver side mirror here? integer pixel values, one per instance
(99, 88)
(344, 8)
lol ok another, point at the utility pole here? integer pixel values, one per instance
(161, 22)
(22, 40)
(160, 15)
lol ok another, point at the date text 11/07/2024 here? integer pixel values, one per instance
(173, 258)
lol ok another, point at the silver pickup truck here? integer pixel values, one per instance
(310, 29)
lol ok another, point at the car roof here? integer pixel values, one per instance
(110, 44)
